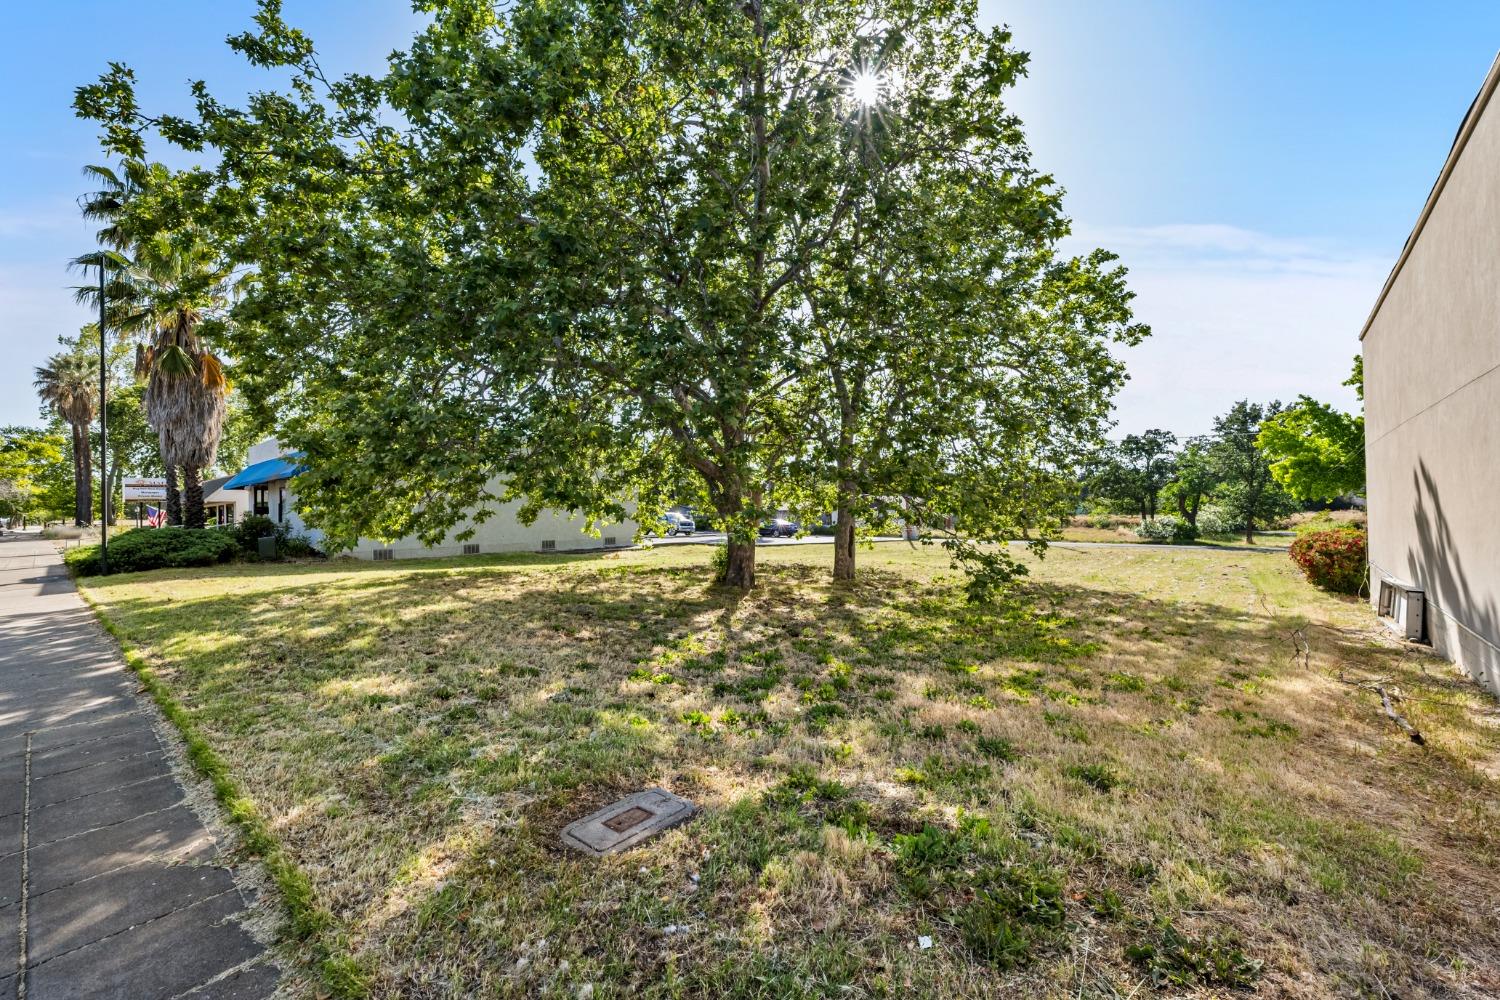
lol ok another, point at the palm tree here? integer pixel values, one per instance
(185, 404)
(66, 386)
(116, 189)
(162, 293)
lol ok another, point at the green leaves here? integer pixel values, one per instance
(606, 257)
(1317, 452)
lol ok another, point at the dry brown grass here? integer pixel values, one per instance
(1133, 724)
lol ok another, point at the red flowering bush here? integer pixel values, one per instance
(1335, 559)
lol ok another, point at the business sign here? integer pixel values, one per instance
(142, 488)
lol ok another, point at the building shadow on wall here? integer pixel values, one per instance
(1436, 564)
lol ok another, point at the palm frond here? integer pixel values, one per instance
(212, 371)
(174, 361)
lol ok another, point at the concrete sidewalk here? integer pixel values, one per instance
(108, 886)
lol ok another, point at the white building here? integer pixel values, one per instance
(223, 506)
(266, 482)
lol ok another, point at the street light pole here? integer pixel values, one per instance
(103, 432)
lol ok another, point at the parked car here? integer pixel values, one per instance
(674, 523)
(778, 527)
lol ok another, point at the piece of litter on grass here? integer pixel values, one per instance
(924, 942)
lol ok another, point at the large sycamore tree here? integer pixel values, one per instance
(570, 251)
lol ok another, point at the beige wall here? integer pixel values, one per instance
(502, 532)
(1432, 410)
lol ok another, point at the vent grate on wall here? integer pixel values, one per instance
(471, 549)
(383, 555)
(1403, 609)
(609, 541)
(550, 545)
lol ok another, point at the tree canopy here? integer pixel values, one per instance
(1247, 488)
(30, 463)
(795, 249)
(1318, 452)
(1136, 470)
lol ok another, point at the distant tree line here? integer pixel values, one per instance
(1262, 462)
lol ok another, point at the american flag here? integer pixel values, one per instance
(155, 517)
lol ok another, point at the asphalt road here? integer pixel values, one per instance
(719, 538)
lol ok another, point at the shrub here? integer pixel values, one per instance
(251, 528)
(719, 560)
(1214, 521)
(1167, 529)
(291, 546)
(1334, 558)
(155, 548)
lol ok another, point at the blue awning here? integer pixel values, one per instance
(269, 471)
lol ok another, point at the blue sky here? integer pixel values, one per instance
(1256, 164)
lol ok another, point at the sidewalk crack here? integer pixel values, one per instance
(25, 874)
(144, 923)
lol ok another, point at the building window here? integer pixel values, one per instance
(259, 503)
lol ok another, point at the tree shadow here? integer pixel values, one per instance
(1437, 565)
(424, 703)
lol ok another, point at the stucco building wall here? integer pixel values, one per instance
(501, 532)
(1432, 405)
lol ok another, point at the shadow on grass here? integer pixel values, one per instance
(424, 701)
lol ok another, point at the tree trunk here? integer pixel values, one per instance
(843, 544)
(174, 498)
(192, 497)
(1249, 531)
(77, 480)
(86, 479)
(740, 570)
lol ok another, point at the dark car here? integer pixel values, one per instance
(778, 527)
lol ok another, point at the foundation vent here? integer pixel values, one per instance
(471, 549)
(383, 555)
(1403, 609)
(550, 545)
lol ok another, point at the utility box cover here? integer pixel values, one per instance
(628, 822)
(266, 547)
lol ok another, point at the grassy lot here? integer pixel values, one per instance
(1122, 781)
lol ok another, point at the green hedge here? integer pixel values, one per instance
(155, 548)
